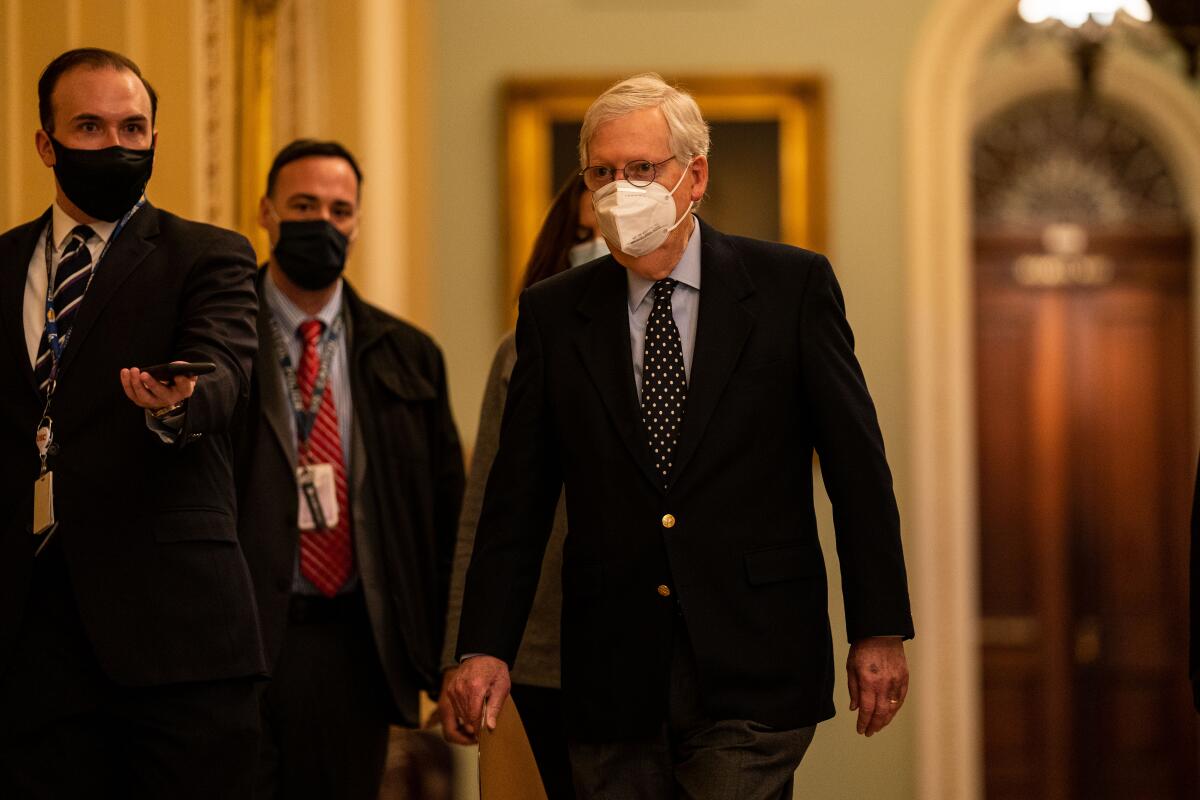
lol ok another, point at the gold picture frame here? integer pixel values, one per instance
(785, 114)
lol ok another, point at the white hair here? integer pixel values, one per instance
(687, 130)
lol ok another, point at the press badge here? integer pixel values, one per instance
(43, 503)
(318, 497)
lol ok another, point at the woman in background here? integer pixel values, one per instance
(568, 237)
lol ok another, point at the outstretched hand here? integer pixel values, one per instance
(146, 391)
(877, 673)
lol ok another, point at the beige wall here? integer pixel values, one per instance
(862, 47)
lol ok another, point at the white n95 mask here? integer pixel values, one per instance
(638, 219)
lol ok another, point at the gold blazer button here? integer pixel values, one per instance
(664, 590)
(668, 521)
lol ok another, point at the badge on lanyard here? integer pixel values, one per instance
(315, 483)
(43, 504)
(318, 497)
(43, 489)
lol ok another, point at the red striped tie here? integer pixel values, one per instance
(326, 556)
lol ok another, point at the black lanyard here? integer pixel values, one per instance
(306, 417)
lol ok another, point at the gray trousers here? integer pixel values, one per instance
(692, 757)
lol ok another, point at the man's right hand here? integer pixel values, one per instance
(479, 681)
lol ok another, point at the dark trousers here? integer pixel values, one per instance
(327, 708)
(68, 731)
(542, 715)
(693, 757)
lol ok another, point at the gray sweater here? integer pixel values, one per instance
(538, 657)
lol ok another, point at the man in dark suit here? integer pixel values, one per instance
(129, 644)
(350, 481)
(678, 389)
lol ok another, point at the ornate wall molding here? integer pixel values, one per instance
(256, 35)
(212, 92)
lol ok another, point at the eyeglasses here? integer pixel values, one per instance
(639, 173)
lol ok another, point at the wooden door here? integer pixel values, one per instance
(1086, 458)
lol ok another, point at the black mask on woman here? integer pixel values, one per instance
(311, 253)
(103, 183)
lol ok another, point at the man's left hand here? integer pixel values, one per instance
(146, 391)
(877, 673)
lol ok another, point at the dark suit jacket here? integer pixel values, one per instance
(406, 487)
(148, 530)
(774, 375)
(1194, 660)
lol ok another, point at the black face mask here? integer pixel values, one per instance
(103, 183)
(312, 253)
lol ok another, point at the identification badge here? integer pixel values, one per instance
(43, 504)
(318, 497)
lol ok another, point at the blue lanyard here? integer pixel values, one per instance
(57, 343)
(45, 431)
(306, 418)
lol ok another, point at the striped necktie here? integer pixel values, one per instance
(71, 281)
(326, 556)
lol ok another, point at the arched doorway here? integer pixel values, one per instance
(949, 90)
(1082, 285)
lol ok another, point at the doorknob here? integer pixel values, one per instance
(1087, 641)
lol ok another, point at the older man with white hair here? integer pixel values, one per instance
(678, 389)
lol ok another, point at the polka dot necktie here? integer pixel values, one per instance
(664, 381)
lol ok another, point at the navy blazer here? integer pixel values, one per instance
(732, 545)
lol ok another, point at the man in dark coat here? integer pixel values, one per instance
(350, 479)
(678, 388)
(129, 645)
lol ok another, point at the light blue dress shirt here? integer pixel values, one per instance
(685, 304)
(289, 316)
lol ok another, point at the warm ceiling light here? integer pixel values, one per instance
(1076, 13)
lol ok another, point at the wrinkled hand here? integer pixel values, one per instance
(453, 730)
(478, 681)
(149, 393)
(877, 673)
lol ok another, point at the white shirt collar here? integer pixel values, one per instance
(64, 223)
(687, 271)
